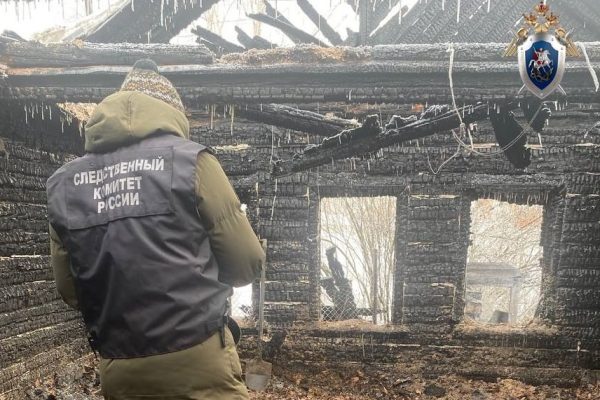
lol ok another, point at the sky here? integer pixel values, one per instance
(40, 15)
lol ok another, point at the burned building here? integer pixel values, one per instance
(268, 114)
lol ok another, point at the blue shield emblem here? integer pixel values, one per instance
(542, 64)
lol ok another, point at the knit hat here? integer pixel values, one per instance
(145, 78)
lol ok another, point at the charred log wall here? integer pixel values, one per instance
(433, 215)
(432, 230)
(38, 332)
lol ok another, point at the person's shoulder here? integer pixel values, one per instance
(60, 172)
(188, 144)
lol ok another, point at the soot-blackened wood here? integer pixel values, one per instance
(8, 36)
(381, 9)
(295, 34)
(255, 42)
(217, 40)
(370, 138)
(295, 119)
(274, 13)
(149, 21)
(57, 55)
(365, 12)
(321, 22)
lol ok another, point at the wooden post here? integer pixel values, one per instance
(375, 285)
(365, 11)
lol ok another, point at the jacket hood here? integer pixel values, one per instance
(127, 117)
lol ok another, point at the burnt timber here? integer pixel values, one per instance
(148, 21)
(299, 90)
(379, 74)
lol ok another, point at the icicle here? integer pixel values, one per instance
(489, 6)
(590, 67)
(458, 13)
(274, 201)
(400, 13)
(133, 5)
(162, 12)
(232, 118)
(443, 5)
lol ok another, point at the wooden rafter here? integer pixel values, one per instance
(295, 34)
(149, 21)
(370, 137)
(321, 22)
(224, 45)
(295, 119)
(34, 54)
(256, 42)
(274, 13)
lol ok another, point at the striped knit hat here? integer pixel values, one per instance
(145, 78)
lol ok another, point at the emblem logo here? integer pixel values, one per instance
(542, 54)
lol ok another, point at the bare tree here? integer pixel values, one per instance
(362, 229)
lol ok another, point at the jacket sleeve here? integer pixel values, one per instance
(233, 242)
(61, 268)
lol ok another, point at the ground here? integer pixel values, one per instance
(357, 383)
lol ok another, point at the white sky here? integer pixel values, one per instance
(37, 16)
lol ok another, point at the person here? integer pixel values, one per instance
(147, 240)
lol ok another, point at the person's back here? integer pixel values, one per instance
(147, 230)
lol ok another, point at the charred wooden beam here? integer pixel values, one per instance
(149, 21)
(211, 46)
(295, 119)
(35, 54)
(371, 137)
(321, 22)
(381, 9)
(225, 45)
(255, 42)
(295, 34)
(274, 13)
(10, 36)
(386, 33)
(365, 13)
(406, 74)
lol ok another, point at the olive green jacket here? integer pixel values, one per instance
(124, 118)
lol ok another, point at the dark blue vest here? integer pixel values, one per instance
(146, 277)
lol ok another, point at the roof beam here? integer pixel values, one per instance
(73, 55)
(223, 45)
(295, 34)
(274, 13)
(371, 137)
(379, 74)
(296, 119)
(149, 21)
(321, 22)
(255, 42)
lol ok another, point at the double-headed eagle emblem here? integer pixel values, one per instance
(542, 45)
(542, 20)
